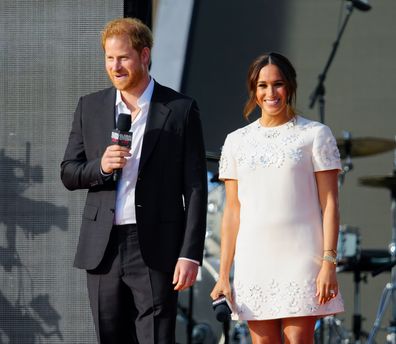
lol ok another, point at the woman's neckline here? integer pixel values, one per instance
(291, 120)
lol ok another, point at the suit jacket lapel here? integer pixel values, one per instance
(106, 111)
(156, 118)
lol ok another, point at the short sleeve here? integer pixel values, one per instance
(227, 165)
(325, 154)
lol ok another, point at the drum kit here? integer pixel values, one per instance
(362, 261)
(197, 325)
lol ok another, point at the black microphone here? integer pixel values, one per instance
(362, 5)
(222, 309)
(122, 137)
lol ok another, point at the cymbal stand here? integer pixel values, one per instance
(357, 315)
(347, 165)
(358, 277)
(388, 294)
(319, 91)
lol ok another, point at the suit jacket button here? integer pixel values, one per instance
(139, 205)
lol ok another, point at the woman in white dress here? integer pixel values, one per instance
(280, 222)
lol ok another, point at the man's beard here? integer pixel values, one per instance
(129, 82)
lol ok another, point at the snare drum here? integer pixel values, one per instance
(348, 246)
(369, 260)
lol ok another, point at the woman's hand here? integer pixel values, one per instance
(222, 287)
(326, 283)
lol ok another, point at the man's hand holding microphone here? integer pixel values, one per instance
(114, 157)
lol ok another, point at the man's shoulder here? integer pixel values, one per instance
(167, 95)
(109, 91)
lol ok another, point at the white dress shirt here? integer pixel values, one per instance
(125, 196)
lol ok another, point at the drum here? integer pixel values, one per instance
(368, 260)
(348, 245)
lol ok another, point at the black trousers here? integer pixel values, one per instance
(130, 302)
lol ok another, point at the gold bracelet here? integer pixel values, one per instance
(332, 250)
(330, 259)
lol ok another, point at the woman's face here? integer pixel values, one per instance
(271, 92)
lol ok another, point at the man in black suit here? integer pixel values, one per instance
(141, 238)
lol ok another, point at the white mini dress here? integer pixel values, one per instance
(280, 240)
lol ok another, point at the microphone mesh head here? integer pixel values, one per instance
(124, 122)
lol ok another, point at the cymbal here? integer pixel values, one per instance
(364, 146)
(388, 182)
(212, 156)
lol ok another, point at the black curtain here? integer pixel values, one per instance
(141, 9)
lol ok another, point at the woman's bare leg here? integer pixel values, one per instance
(299, 330)
(265, 331)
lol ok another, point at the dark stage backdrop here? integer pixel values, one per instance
(50, 55)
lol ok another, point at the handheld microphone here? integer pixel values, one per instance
(222, 309)
(122, 137)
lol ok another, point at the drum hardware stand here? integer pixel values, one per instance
(190, 320)
(358, 277)
(196, 333)
(347, 165)
(389, 294)
(334, 333)
(319, 91)
(186, 313)
(357, 273)
(240, 334)
(357, 315)
(226, 331)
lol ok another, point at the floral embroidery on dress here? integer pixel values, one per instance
(271, 133)
(328, 152)
(276, 299)
(271, 157)
(295, 154)
(255, 146)
(268, 146)
(223, 164)
(293, 290)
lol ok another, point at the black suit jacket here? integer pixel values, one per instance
(171, 189)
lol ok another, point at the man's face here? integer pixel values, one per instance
(127, 69)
